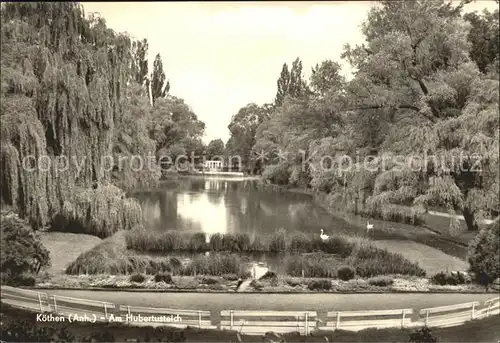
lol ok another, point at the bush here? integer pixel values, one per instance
(423, 335)
(443, 279)
(137, 278)
(337, 245)
(22, 252)
(293, 282)
(214, 264)
(346, 273)
(483, 254)
(314, 265)
(320, 285)
(163, 277)
(230, 277)
(277, 241)
(381, 281)
(209, 281)
(371, 261)
(269, 275)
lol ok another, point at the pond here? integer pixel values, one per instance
(237, 205)
(225, 205)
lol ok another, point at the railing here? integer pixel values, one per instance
(24, 298)
(250, 322)
(492, 307)
(66, 306)
(260, 322)
(445, 316)
(359, 320)
(166, 316)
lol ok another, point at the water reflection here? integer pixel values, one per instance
(214, 205)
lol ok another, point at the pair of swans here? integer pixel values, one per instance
(369, 227)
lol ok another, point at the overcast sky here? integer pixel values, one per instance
(222, 56)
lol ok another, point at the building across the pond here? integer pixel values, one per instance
(213, 165)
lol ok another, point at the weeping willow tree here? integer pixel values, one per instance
(417, 65)
(63, 85)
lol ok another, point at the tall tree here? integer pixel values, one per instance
(283, 85)
(483, 36)
(417, 66)
(243, 128)
(325, 77)
(215, 148)
(297, 86)
(63, 86)
(140, 49)
(159, 84)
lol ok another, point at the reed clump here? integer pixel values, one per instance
(112, 258)
(279, 241)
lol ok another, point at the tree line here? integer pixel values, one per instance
(425, 83)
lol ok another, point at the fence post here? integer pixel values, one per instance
(427, 318)
(232, 318)
(307, 324)
(338, 321)
(105, 311)
(129, 317)
(472, 311)
(40, 302)
(403, 320)
(55, 304)
(199, 319)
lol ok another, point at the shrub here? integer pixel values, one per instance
(381, 281)
(269, 275)
(213, 264)
(452, 279)
(319, 285)
(371, 261)
(439, 278)
(24, 279)
(22, 252)
(257, 285)
(197, 242)
(300, 243)
(314, 265)
(345, 273)
(277, 241)
(209, 281)
(137, 278)
(163, 277)
(423, 335)
(483, 254)
(230, 277)
(293, 282)
(337, 245)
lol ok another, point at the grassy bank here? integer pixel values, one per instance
(366, 259)
(21, 326)
(110, 257)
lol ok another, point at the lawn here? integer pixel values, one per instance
(428, 258)
(64, 248)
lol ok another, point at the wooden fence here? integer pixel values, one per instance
(445, 316)
(359, 320)
(67, 306)
(24, 298)
(260, 322)
(165, 316)
(250, 322)
(492, 307)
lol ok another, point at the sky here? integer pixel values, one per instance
(220, 56)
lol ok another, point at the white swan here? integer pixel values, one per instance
(323, 236)
(369, 226)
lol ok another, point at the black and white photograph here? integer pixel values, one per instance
(250, 171)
